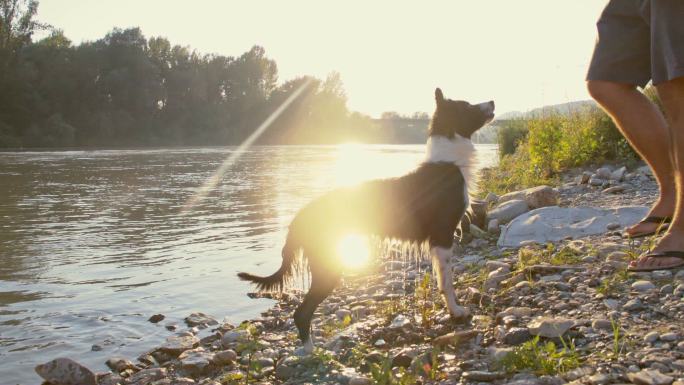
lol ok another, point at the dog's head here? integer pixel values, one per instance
(454, 117)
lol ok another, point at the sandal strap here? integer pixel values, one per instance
(655, 219)
(666, 254)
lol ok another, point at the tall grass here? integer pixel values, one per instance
(536, 149)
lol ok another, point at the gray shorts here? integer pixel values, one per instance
(638, 41)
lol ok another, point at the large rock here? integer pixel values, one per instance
(509, 210)
(550, 327)
(536, 197)
(65, 371)
(196, 361)
(552, 224)
(176, 345)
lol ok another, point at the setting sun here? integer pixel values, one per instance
(354, 251)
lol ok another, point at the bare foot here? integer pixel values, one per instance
(672, 241)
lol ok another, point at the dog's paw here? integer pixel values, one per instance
(306, 349)
(459, 313)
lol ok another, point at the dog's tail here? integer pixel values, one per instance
(276, 280)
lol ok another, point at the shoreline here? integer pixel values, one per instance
(390, 327)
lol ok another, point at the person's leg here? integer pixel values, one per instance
(672, 96)
(641, 122)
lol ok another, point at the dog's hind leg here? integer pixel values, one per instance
(442, 265)
(322, 284)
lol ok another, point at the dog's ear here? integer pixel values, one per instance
(439, 96)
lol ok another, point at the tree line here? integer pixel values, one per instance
(128, 90)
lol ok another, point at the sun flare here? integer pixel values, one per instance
(354, 251)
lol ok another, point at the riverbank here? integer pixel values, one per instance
(568, 312)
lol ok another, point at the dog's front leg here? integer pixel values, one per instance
(442, 265)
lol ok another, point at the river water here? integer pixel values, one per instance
(92, 243)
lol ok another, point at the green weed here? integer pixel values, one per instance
(542, 359)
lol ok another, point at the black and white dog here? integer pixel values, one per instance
(424, 205)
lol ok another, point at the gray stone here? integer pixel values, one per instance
(645, 170)
(476, 375)
(495, 265)
(509, 210)
(618, 174)
(342, 314)
(660, 275)
(119, 364)
(602, 324)
(651, 337)
(551, 278)
(225, 357)
(550, 327)
(600, 379)
(477, 232)
(200, 320)
(633, 305)
(604, 172)
(358, 380)
(147, 376)
(669, 337)
(493, 226)
(283, 372)
(517, 336)
(399, 322)
(650, 377)
(614, 190)
(553, 224)
(596, 181)
(618, 256)
(196, 361)
(518, 312)
(491, 198)
(643, 286)
(235, 336)
(176, 345)
(541, 196)
(65, 371)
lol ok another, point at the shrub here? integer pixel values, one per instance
(510, 134)
(545, 145)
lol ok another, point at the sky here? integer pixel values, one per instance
(522, 54)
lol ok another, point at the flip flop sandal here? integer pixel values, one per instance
(662, 221)
(664, 254)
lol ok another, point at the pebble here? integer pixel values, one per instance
(650, 377)
(669, 337)
(360, 381)
(235, 336)
(643, 286)
(602, 324)
(483, 376)
(225, 357)
(341, 314)
(661, 275)
(550, 327)
(633, 305)
(651, 337)
(517, 336)
(156, 318)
